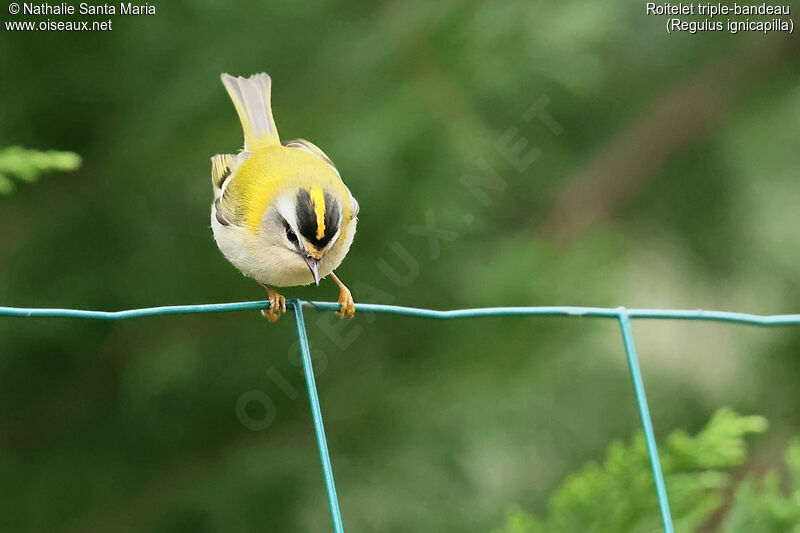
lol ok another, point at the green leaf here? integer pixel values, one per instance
(6, 185)
(762, 507)
(30, 165)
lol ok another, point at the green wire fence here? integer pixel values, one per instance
(621, 314)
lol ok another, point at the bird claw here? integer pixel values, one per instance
(277, 306)
(347, 307)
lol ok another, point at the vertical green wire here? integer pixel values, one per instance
(644, 413)
(316, 413)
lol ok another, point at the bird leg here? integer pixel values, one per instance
(347, 307)
(277, 305)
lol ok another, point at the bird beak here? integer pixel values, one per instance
(313, 265)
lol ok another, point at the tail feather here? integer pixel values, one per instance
(252, 97)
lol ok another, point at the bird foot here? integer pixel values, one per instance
(277, 305)
(347, 307)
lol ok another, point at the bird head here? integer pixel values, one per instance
(310, 220)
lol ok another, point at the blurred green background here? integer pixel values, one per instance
(665, 174)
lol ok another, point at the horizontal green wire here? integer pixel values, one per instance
(602, 312)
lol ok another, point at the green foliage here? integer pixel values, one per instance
(29, 165)
(618, 495)
(760, 505)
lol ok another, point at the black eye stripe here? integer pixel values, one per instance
(289, 233)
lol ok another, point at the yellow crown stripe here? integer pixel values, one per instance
(318, 202)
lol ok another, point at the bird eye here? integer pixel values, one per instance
(290, 235)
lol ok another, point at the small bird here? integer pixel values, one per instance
(281, 213)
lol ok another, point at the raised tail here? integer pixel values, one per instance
(252, 97)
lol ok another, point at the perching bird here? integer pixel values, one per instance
(281, 213)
